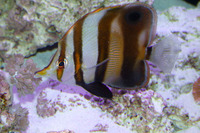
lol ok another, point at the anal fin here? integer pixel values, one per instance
(133, 77)
(98, 89)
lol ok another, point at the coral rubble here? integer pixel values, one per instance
(14, 119)
(22, 74)
(186, 70)
(5, 92)
(48, 107)
(196, 91)
(144, 111)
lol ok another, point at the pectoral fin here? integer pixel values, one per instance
(164, 53)
(94, 67)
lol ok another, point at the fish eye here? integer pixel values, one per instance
(62, 64)
(133, 17)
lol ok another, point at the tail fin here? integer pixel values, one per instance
(164, 53)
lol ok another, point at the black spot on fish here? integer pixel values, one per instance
(133, 17)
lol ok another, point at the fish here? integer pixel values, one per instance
(109, 47)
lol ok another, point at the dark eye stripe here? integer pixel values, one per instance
(61, 58)
(103, 42)
(78, 51)
(61, 63)
(134, 70)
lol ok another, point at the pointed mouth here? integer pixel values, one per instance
(59, 74)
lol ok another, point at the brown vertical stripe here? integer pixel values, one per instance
(130, 37)
(134, 20)
(104, 32)
(62, 50)
(78, 51)
(61, 58)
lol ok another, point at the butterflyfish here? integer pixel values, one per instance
(109, 47)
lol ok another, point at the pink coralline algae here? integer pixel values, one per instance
(22, 74)
(48, 107)
(14, 119)
(196, 91)
(16, 73)
(5, 94)
(16, 22)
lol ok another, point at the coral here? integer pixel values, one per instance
(21, 117)
(22, 74)
(178, 120)
(143, 111)
(16, 22)
(48, 107)
(7, 119)
(186, 69)
(23, 20)
(5, 94)
(196, 91)
(14, 119)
